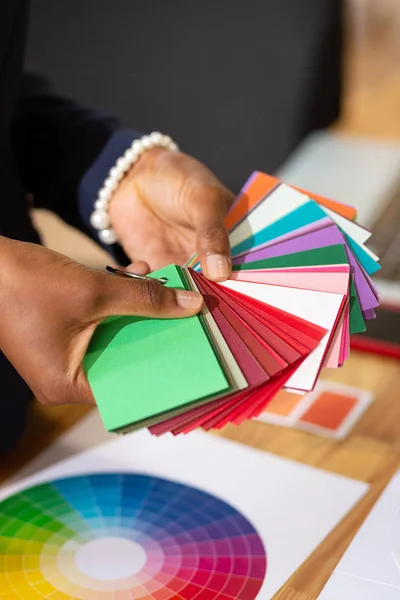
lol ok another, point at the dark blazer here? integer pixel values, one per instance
(53, 149)
(236, 84)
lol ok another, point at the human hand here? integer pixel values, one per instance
(50, 307)
(170, 206)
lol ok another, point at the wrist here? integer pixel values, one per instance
(147, 147)
(147, 162)
(143, 170)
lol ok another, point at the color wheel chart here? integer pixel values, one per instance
(126, 536)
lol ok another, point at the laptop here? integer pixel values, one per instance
(365, 174)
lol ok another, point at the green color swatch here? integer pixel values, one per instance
(140, 369)
(329, 255)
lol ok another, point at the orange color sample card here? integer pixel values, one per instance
(261, 184)
(331, 410)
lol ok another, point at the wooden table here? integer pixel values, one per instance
(371, 453)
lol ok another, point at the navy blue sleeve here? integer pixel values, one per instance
(64, 151)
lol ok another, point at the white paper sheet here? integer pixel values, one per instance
(346, 587)
(370, 569)
(292, 506)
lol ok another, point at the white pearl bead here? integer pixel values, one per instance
(156, 137)
(130, 155)
(172, 146)
(115, 173)
(110, 184)
(136, 146)
(122, 163)
(100, 204)
(99, 219)
(104, 194)
(108, 236)
(147, 143)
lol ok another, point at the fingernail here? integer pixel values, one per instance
(218, 267)
(189, 300)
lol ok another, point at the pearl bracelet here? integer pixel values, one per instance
(99, 218)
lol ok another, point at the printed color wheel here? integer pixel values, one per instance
(124, 537)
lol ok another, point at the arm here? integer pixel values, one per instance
(64, 150)
(167, 206)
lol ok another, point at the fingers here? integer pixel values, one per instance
(147, 298)
(212, 238)
(139, 267)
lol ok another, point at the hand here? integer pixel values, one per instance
(168, 207)
(50, 307)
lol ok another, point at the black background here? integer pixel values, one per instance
(235, 83)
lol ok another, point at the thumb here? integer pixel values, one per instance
(212, 238)
(144, 298)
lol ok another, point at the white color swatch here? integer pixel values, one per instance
(279, 203)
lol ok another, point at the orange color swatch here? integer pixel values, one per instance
(284, 403)
(261, 185)
(329, 410)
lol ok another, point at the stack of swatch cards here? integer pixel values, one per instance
(301, 284)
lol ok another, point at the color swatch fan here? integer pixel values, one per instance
(301, 285)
